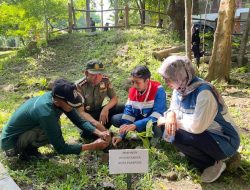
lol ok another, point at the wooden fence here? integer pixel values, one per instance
(72, 17)
(72, 25)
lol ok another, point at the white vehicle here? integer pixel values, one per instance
(209, 20)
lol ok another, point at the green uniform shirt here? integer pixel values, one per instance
(41, 112)
(94, 95)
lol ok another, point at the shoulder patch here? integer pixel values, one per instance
(102, 85)
(81, 82)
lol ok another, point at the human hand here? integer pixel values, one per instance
(104, 116)
(171, 124)
(116, 140)
(126, 128)
(161, 121)
(100, 144)
(105, 135)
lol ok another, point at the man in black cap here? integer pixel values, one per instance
(36, 123)
(94, 88)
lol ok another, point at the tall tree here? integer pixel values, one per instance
(244, 41)
(215, 6)
(45, 21)
(176, 11)
(220, 62)
(188, 25)
(88, 13)
(141, 4)
(196, 7)
(116, 12)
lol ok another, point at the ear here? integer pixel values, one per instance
(147, 81)
(56, 102)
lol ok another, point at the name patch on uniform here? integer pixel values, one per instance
(102, 85)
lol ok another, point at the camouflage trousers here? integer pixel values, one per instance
(35, 137)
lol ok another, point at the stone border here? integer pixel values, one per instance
(6, 182)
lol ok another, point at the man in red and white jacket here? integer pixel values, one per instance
(146, 101)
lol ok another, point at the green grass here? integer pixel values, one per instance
(65, 56)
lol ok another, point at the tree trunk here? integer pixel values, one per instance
(88, 13)
(70, 19)
(45, 21)
(196, 7)
(159, 10)
(176, 11)
(244, 41)
(126, 17)
(102, 13)
(215, 7)
(188, 25)
(220, 62)
(116, 12)
(141, 6)
(74, 14)
(143, 15)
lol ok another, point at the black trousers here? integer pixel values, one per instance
(119, 108)
(201, 149)
(197, 54)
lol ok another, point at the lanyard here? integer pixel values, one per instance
(146, 98)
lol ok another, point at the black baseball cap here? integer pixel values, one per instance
(66, 90)
(95, 66)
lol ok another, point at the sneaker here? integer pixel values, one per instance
(212, 173)
(182, 154)
(11, 153)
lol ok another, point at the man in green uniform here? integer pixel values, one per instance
(94, 88)
(36, 123)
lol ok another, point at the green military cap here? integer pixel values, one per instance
(95, 66)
